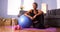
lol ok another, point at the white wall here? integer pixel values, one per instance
(39, 3)
(52, 4)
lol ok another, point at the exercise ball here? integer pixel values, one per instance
(24, 21)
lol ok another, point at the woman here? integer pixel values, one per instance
(36, 16)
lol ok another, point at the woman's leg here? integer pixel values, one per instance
(40, 23)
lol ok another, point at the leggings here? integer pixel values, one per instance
(39, 22)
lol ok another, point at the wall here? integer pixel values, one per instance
(39, 3)
(52, 4)
(3, 7)
(0, 8)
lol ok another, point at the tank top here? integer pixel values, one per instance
(32, 13)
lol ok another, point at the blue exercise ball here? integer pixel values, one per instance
(24, 21)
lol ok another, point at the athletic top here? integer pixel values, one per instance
(32, 13)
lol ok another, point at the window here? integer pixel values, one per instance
(13, 7)
(44, 7)
(58, 4)
(28, 4)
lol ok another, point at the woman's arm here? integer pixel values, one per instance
(27, 14)
(39, 13)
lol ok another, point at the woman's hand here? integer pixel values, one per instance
(29, 16)
(34, 17)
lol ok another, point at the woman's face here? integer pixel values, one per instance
(34, 6)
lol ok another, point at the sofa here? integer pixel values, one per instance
(52, 18)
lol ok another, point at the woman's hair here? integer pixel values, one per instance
(35, 3)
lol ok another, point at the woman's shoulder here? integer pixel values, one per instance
(31, 10)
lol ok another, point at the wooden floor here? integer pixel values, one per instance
(9, 29)
(5, 29)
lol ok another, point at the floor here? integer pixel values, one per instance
(5, 29)
(10, 29)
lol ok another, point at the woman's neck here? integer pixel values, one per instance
(35, 9)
